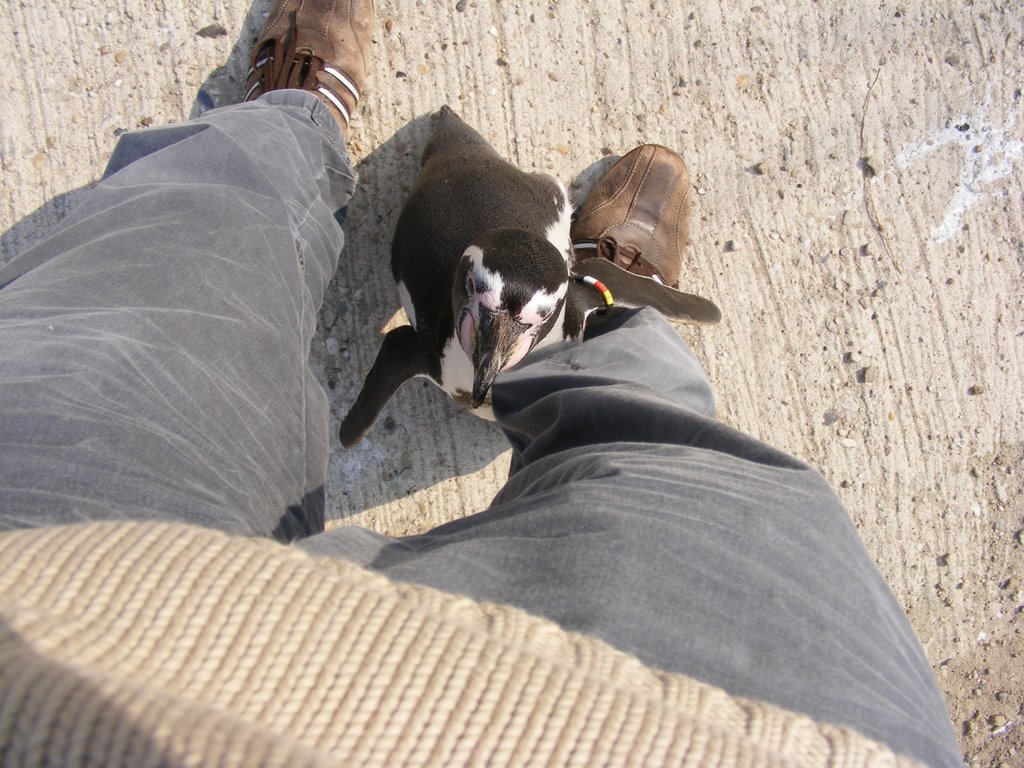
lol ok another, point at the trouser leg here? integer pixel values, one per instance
(153, 349)
(631, 514)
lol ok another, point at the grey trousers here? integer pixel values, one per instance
(153, 366)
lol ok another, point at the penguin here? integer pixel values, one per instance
(486, 273)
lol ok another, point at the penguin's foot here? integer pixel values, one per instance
(319, 46)
(638, 215)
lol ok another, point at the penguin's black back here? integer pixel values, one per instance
(464, 188)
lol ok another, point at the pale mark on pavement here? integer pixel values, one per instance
(989, 155)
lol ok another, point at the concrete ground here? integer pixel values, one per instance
(858, 217)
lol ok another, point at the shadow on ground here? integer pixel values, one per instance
(225, 85)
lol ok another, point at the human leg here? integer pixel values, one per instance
(154, 347)
(633, 515)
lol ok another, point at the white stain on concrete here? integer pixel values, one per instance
(989, 154)
(355, 462)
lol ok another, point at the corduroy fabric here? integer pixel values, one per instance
(142, 644)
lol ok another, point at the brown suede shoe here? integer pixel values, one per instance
(316, 45)
(638, 215)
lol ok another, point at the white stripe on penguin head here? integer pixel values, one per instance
(407, 305)
(540, 306)
(487, 285)
(558, 233)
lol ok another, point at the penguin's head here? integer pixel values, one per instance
(509, 288)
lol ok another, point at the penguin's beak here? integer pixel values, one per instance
(494, 334)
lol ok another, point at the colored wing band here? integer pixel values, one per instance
(600, 287)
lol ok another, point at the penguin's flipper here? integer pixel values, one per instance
(631, 290)
(399, 359)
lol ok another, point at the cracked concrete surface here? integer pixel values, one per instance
(857, 216)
